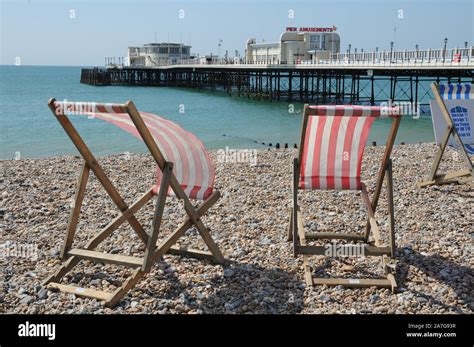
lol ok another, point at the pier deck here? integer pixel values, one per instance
(339, 81)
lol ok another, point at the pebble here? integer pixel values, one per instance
(43, 294)
(324, 298)
(229, 273)
(27, 299)
(434, 245)
(421, 300)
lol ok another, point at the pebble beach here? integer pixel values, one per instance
(434, 238)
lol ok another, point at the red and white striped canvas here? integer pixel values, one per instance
(193, 167)
(335, 139)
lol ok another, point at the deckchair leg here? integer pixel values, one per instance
(383, 167)
(372, 221)
(116, 296)
(439, 155)
(169, 241)
(294, 227)
(302, 241)
(391, 210)
(74, 216)
(460, 176)
(157, 217)
(203, 231)
(99, 237)
(289, 230)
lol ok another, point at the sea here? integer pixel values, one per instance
(28, 129)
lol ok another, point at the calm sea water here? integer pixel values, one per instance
(27, 125)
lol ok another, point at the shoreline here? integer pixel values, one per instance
(262, 147)
(249, 225)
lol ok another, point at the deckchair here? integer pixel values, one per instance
(330, 158)
(184, 170)
(452, 112)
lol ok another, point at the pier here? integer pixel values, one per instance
(357, 78)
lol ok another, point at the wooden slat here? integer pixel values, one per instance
(106, 257)
(449, 177)
(353, 283)
(86, 292)
(334, 236)
(321, 250)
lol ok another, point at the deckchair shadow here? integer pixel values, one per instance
(435, 266)
(268, 297)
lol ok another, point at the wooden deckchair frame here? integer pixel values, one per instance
(153, 250)
(459, 176)
(297, 234)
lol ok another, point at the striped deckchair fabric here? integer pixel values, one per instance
(193, 167)
(456, 91)
(334, 145)
(330, 156)
(184, 169)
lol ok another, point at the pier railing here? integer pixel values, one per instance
(430, 58)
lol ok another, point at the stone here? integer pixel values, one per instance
(229, 272)
(324, 298)
(421, 300)
(27, 299)
(43, 294)
(374, 298)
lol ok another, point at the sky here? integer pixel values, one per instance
(83, 33)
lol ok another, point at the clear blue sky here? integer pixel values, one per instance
(42, 32)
